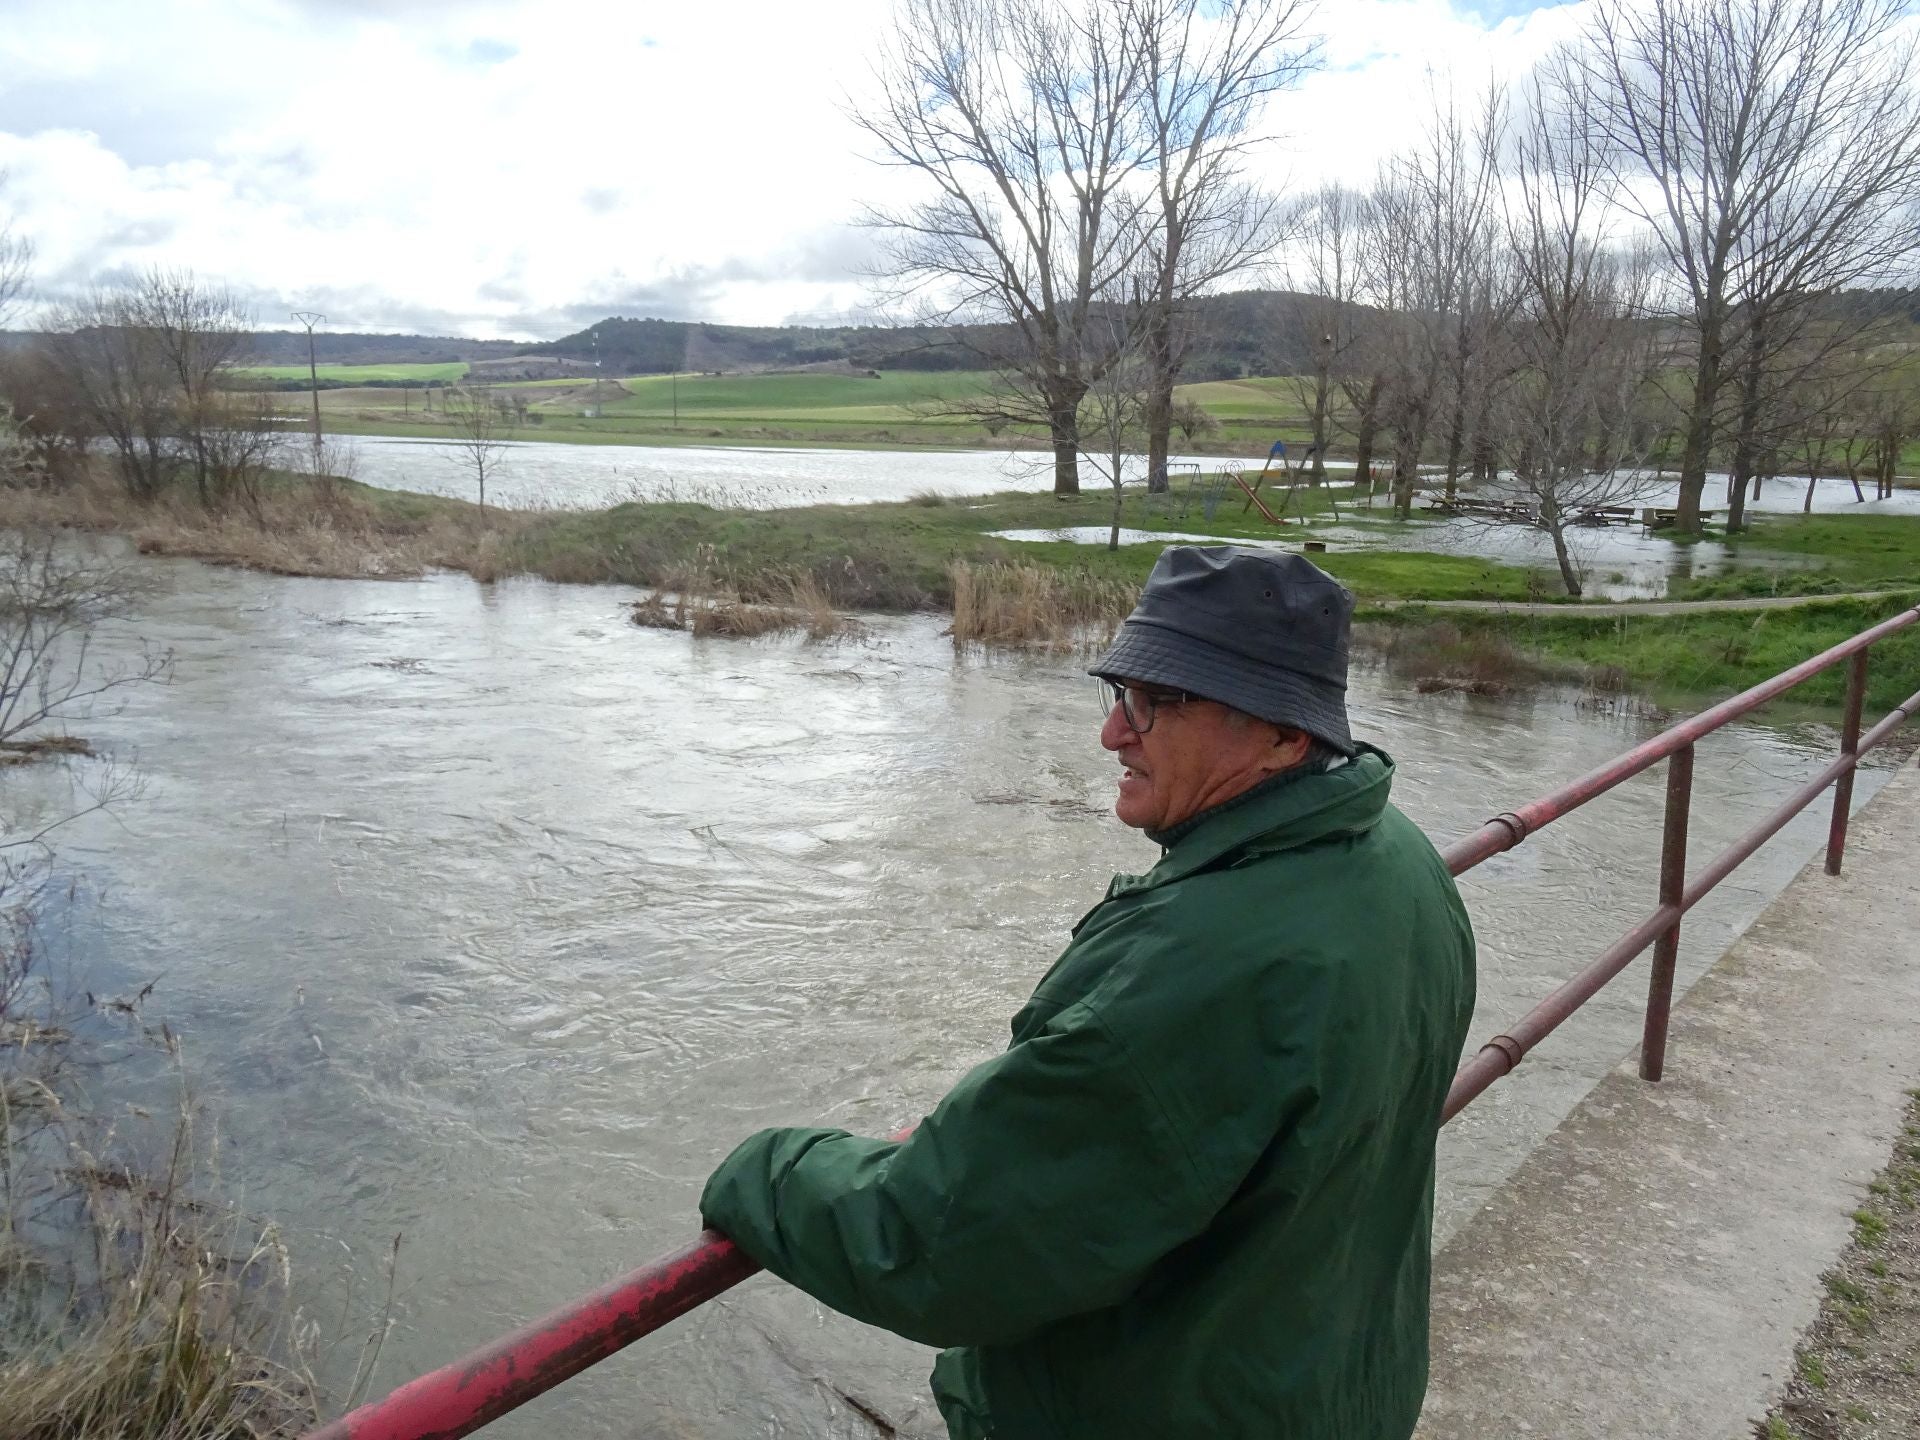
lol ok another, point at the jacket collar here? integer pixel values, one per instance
(1293, 808)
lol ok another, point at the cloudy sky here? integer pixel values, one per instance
(520, 169)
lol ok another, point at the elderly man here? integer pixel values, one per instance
(1193, 1198)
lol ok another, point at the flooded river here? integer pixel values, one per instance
(494, 921)
(536, 473)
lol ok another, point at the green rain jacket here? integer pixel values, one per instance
(1194, 1197)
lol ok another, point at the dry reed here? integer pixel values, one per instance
(705, 604)
(1032, 605)
(301, 530)
(133, 1305)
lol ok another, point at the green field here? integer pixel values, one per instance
(894, 409)
(447, 373)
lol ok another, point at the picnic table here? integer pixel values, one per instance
(1658, 518)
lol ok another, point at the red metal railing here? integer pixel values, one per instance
(466, 1395)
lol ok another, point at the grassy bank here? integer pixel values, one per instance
(877, 557)
(907, 556)
(1825, 554)
(1678, 658)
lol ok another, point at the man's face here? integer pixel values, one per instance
(1196, 754)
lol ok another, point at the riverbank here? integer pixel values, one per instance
(1853, 1372)
(905, 556)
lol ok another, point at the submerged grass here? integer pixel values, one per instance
(1850, 553)
(1715, 652)
(134, 1303)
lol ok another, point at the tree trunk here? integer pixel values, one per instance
(1063, 426)
(1813, 474)
(1569, 575)
(1456, 443)
(1322, 387)
(1158, 406)
(1365, 424)
(1406, 473)
(1699, 442)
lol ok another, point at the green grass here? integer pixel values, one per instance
(895, 396)
(1681, 657)
(361, 374)
(896, 556)
(895, 409)
(1855, 552)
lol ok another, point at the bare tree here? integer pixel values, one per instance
(116, 376)
(51, 602)
(1022, 116)
(1891, 415)
(1436, 213)
(1824, 419)
(1209, 64)
(145, 368)
(16, 255)
(479, 433)
(1585, 357)
(1741, 132)
(197, 332)
(1325, 269)
(1117, 411)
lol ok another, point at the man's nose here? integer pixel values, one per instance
(1116, 733)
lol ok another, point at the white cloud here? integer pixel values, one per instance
(512, 168)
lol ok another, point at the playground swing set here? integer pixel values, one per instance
(1210, 490)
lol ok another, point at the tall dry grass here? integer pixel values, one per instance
(1440, 658)
(313, 529)
(134, 1305)
(1032, 605)
(141, 1312)
(696, 598)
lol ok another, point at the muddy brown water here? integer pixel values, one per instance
(492, 920)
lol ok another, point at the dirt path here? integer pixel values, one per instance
(1626, 607)
(1855, 1369)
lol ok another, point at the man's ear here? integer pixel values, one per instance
(1290, 748)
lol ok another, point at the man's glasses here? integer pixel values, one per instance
(1138, 703)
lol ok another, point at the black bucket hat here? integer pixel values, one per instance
(1262, 631)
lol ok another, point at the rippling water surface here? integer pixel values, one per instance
(542, 473)
(493, 920)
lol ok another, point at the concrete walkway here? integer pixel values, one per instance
(1649, 1268)
(1611, 608)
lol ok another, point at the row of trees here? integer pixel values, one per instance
(1636, 251)
(140, 375)
(1083, 160)
(139, 372)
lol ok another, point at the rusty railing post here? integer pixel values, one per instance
(1849, 745)
(1673, 884)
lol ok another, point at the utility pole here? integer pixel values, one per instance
(311, 318)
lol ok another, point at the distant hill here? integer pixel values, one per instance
(1247, 332)
(289, 347)
(1251, 332)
